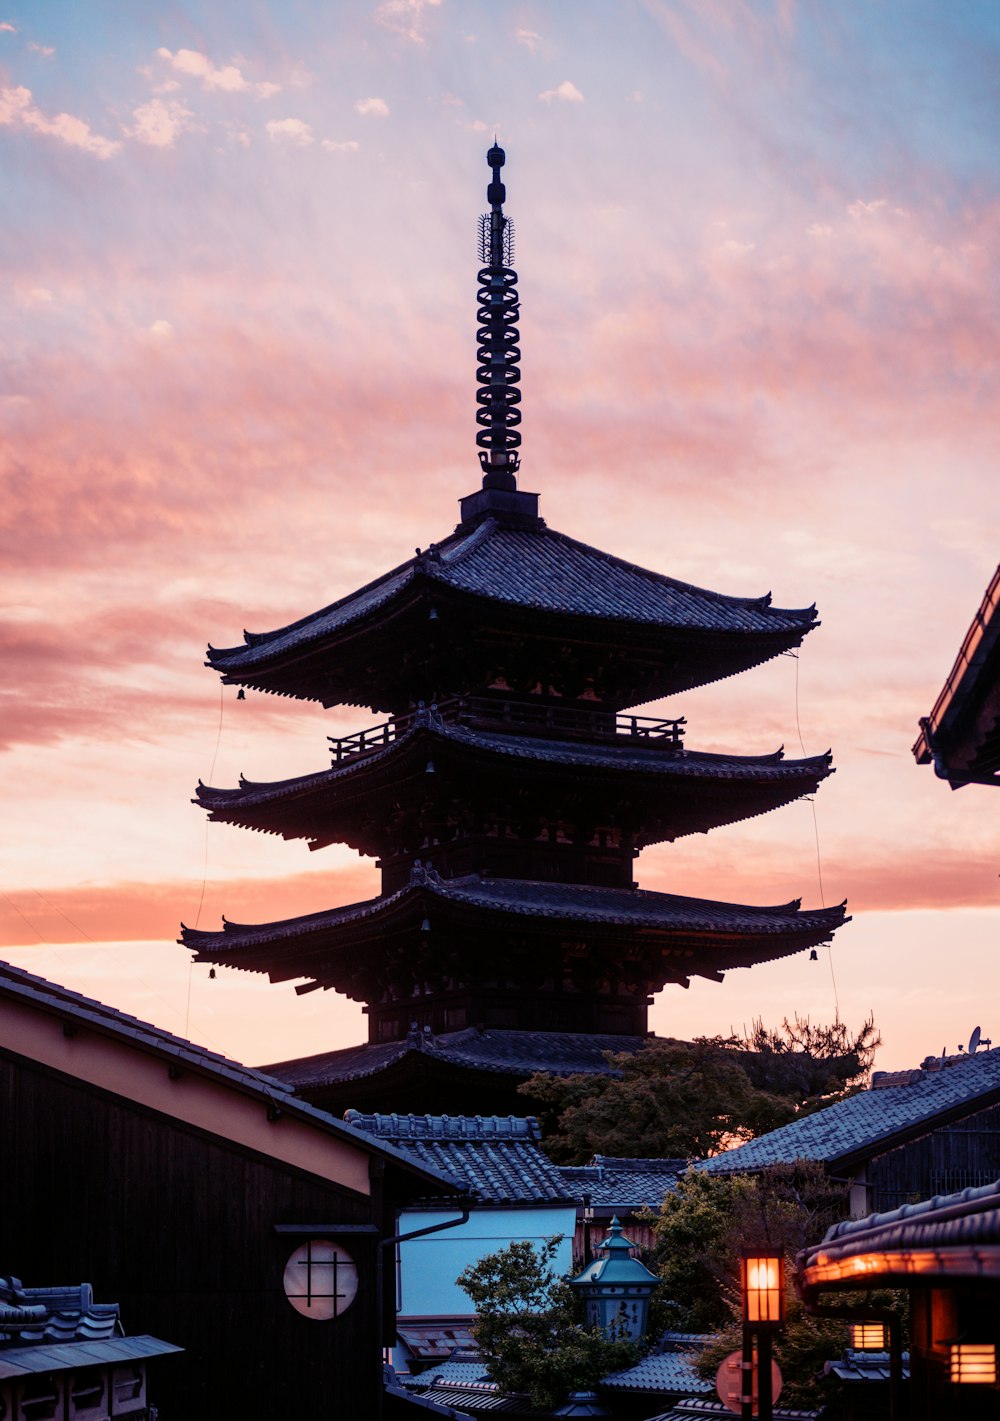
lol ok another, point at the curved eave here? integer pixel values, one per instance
(295, 660)
(278, 807)
(731, 935)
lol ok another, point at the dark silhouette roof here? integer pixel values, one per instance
(492, 1049)
(961, 736)
(760, 933)
(497, 1156)
(500, 572)
(274, 1092)
(874, 1120)
(692, 790)
(541, 570)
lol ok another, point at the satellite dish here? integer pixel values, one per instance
(974, 1040)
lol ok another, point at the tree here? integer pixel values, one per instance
(691, 1099)
(528, 1329)
(701, 1232)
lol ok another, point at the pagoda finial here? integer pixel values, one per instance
(497, 351)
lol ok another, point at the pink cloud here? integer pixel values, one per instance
(225, 78)
(18, 111)
(406, 17)
(290, 130)
(372, 108)
(566, 92)
(159, 123)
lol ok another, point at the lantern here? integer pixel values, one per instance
(973, 1363)
(763, 1280)
(868, 1336)
(616, 1288)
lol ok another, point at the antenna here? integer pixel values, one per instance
(974, 1040)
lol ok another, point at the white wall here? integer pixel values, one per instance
(428, 1267)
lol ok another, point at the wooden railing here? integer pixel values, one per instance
(548, 720)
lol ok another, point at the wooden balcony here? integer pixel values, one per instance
(544, 719)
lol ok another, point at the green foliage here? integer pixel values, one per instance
(708, 1220)
(671, 1099)
(689, 1100)
(528, 1327)
(702, 1230)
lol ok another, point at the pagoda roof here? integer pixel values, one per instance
(503, 1051)
(735, 935)
(297, 807)
(533, 570)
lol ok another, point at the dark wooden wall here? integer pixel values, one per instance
(178, 1228)
(952, 1157)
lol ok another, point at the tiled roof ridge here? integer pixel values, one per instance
(869, 1120)
(664, 579)
(450, 1128)
(631, 1165)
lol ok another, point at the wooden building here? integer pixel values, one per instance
(221, 1212)
(946, 1253)
(65, 1357)
(911, 1135)
(961, 736)
(510, 790)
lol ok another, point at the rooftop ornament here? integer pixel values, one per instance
(498, 353)
(616, 1289)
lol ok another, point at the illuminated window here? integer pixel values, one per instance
(973, 1363)
(321, 1279)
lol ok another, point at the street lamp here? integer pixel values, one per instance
(762, 1280)
(616, 1288)
(763, 1289)
(868, 1337)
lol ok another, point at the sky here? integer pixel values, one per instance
(760, 320)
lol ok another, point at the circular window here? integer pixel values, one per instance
(321, 1279)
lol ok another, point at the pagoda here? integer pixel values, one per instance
(510, 788)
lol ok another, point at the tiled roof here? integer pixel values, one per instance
(613, 1183)
(697, 1409)
(498, 1157)
(669, 1369)
(873, 1120)
(968, 1216)
(36, 1315)
(434, 1339)
(541, 570)
(567, 902)
(492, 1049)
(66, 1356)
(864, 1367)
(19, 985)
(770, 775)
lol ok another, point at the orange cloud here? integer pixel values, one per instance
(144, 912)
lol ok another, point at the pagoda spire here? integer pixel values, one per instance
(498, 354)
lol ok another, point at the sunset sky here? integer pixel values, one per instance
(757, 244)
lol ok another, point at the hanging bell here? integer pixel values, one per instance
(813, 955)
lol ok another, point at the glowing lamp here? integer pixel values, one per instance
(973, 1363)
(868, 1336)
(763, 1280)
